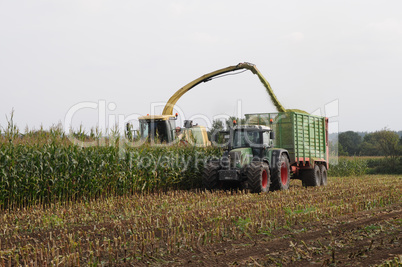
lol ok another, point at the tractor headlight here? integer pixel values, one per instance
(235, 159)
(225, 161)
(238, 162)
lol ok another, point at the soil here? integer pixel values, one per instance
(359, 239)
(363, 238)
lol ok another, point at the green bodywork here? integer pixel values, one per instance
(246, 154)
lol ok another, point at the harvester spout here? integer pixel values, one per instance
(168, 110)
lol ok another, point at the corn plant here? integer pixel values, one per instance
(55, 172)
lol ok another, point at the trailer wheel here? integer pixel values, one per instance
(324, 175)
(281, 176)
(210, 177)
(312, 177)
(258, 177)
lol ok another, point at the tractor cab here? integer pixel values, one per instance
(253, 138)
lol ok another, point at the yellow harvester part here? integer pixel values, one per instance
(168, 110)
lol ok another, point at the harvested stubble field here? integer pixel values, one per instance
(352, 221)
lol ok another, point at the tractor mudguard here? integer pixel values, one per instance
(275, 155)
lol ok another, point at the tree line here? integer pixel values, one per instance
(380, 143)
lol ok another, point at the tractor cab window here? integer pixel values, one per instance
(246, 138)
(154, 130)
(144, 129)
(265, 138)
(160, 131)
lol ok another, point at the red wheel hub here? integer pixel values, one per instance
(264, 180)
(284, 173)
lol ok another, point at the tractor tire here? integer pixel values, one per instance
(210, 176)
(312, 177)
(324, 175)
(281, 177)
(258, 177)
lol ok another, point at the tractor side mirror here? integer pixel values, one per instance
(272, 135)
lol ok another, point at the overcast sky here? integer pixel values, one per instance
(343, 55)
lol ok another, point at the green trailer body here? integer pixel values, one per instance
(304, 136)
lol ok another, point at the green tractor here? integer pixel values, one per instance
(249, 162)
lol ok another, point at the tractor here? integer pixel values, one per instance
(249, 162)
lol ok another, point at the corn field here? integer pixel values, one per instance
(46, 167)
(349, 167)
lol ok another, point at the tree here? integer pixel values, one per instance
(341, 151)
(388, 142)
(400, 147)
(336, 149)
(217, 125)
(350, 142)
(370, 146)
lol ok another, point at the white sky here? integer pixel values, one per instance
(56, 54)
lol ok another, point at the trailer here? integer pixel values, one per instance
(304, 137)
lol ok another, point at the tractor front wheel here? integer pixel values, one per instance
(210, 177)
(258, 177)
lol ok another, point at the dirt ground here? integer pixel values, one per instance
(139, 231)
(360, 239)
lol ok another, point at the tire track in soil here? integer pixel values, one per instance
(263, 252)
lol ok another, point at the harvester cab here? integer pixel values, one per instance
(162, 129)
(158, 128)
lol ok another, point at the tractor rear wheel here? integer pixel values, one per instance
(312, 177)
(324, 175)
(258, 177)
(281, 177)
(210, 177)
